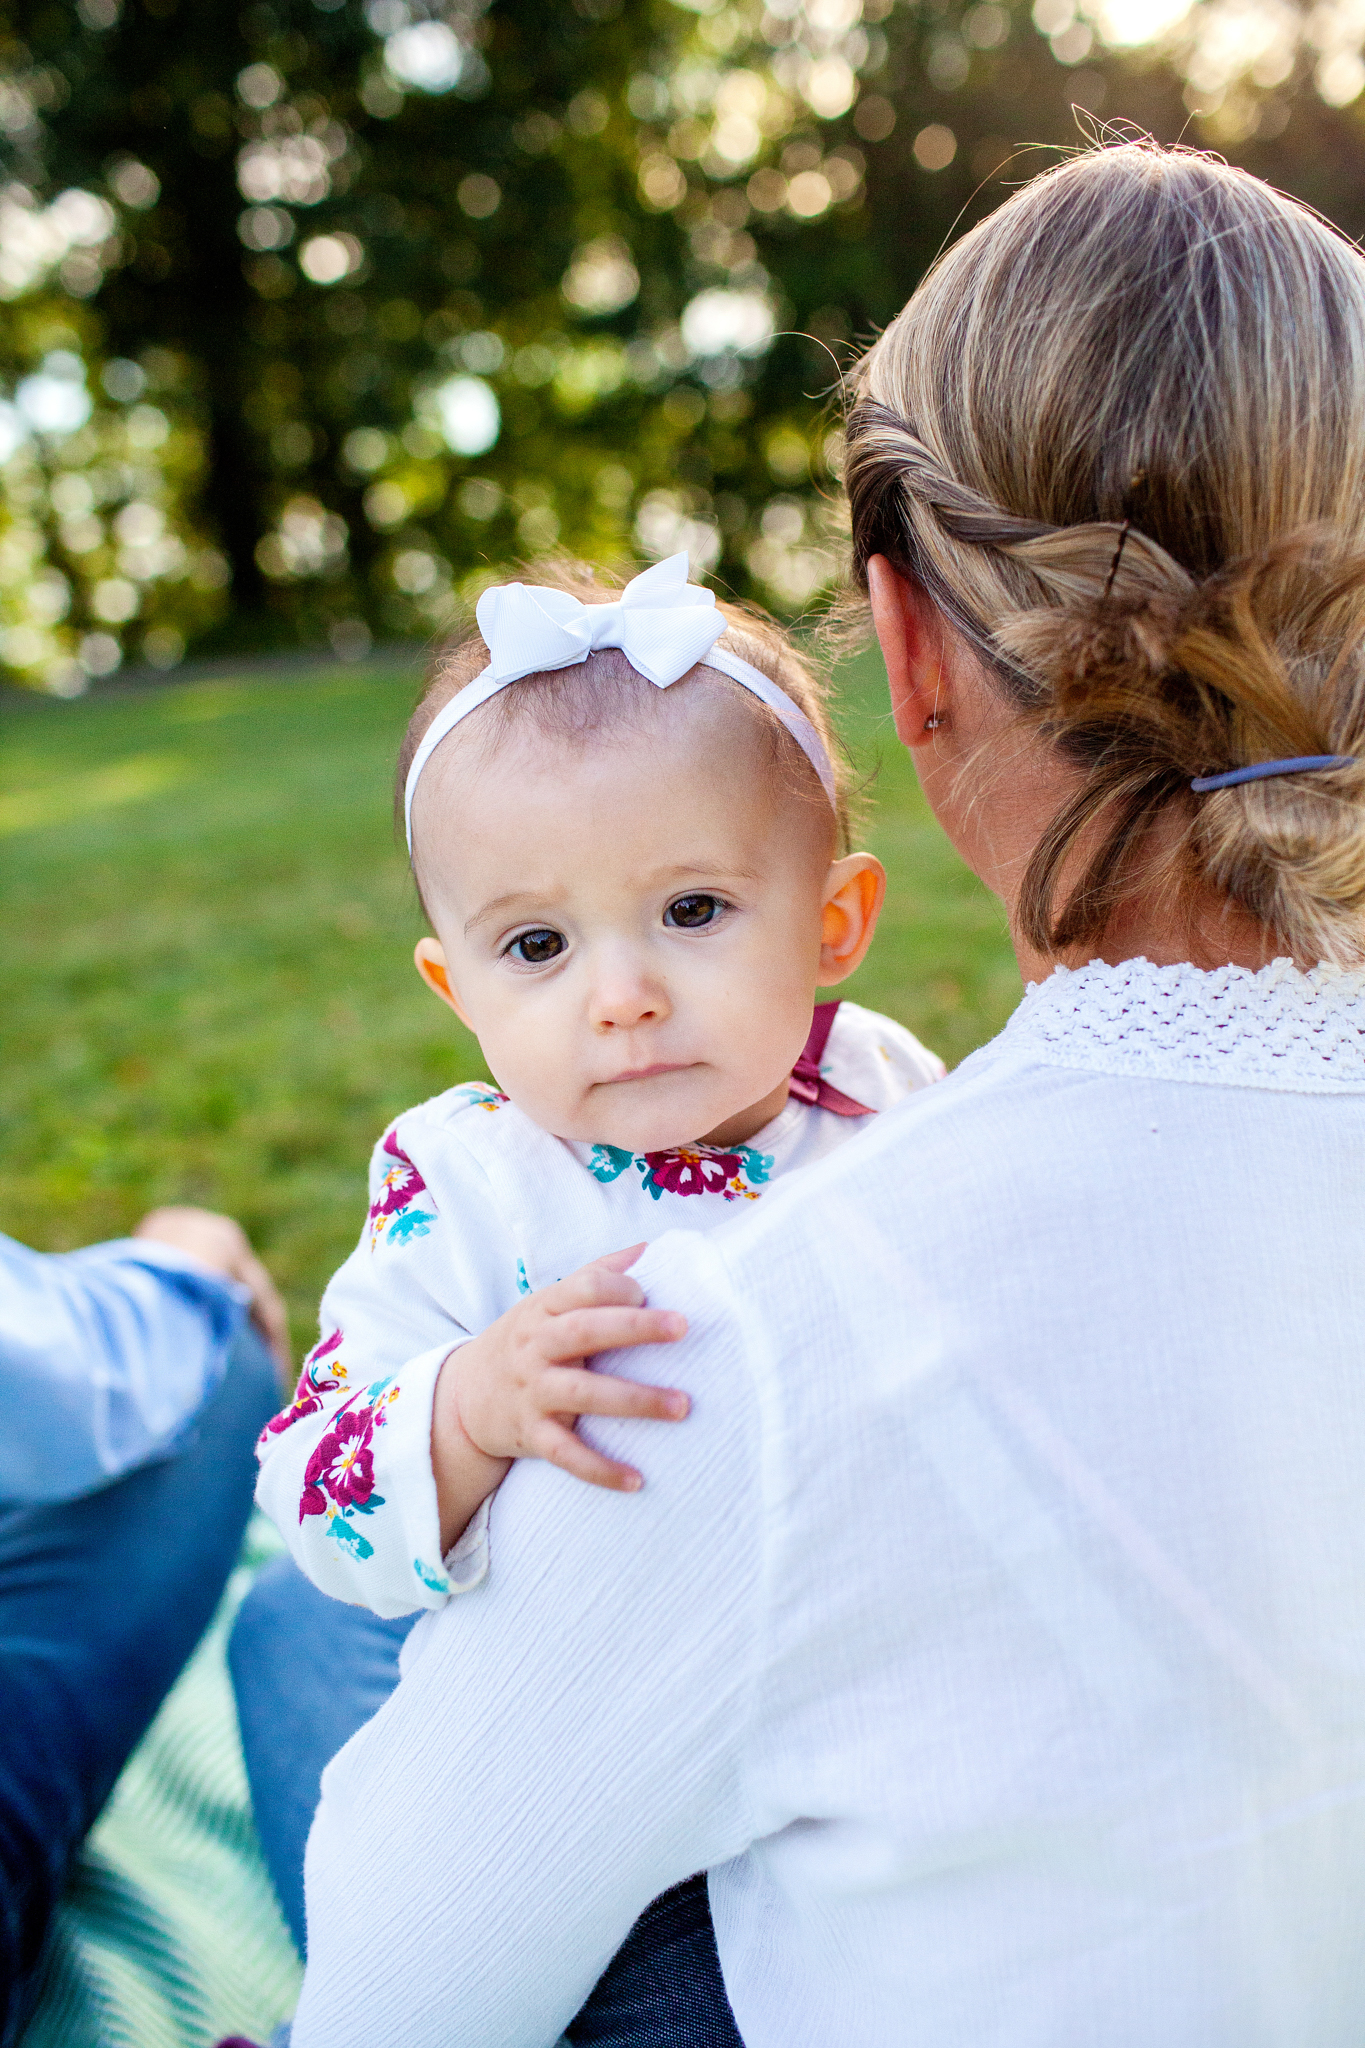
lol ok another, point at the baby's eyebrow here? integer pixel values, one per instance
(691, 871)
(498, 908)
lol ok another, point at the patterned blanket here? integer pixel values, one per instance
(169, 1936)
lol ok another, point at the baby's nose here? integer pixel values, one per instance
(621, 1001)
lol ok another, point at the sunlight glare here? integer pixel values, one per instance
(1126, 23)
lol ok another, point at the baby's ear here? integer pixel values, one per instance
(429, 955)
(854, 892)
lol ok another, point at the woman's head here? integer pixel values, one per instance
(1118, 438)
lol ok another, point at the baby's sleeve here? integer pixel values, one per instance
(908, 1065)
(876, 1060)
(346, 1472)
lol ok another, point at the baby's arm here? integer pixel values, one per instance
(346, 1470)
(515, 1390)
(350, 1472)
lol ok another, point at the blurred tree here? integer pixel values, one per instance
(316, 310)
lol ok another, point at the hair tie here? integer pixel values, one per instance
(663, 624)
(1261, 771)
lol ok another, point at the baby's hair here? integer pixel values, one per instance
(1118, 437)
(605, 694)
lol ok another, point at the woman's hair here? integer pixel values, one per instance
(605, 694)
(1117, 436)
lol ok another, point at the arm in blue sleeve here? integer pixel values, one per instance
(105, 1356)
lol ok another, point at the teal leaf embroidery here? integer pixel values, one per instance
(758, 1165)
(523, 1284)
(347, 1534)
(437, 1581)
(479, 1095)
(411, 1223)
(609, 1162)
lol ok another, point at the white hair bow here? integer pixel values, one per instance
(663, 624)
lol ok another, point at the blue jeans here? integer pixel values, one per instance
(308, 1672)
(102, 1600)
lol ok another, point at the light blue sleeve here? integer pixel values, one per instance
(106, 1355)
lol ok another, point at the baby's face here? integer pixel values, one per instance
(635, 930)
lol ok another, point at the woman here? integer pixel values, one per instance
(993, 1630)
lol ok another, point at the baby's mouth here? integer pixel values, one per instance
(650, 1073)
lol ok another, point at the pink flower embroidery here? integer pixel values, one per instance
(398, 1190)
(688, 1170)
(400, 1184)
(341, 1468)
(315, 1380)
(685, 1171)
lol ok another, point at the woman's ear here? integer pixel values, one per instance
(853, 900)
(910, 634)
(430, 958)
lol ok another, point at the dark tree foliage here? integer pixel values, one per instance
(317, 311)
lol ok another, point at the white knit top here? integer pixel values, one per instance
(994, 1628)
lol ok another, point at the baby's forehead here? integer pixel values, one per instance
(603, 713)
(605, 698)
(661, 768)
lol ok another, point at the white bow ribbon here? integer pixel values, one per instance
(662, 623)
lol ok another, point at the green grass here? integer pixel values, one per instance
(208, 988)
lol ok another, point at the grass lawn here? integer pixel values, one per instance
(208, 988)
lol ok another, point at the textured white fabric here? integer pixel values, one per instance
(1275, 1029)
(472, 1206)
(994, 1628)
(664, 625)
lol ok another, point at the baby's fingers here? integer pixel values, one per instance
(559, 1446)
(583, 1332)
(591, 1287)
(622, 1261)
(565, 1391)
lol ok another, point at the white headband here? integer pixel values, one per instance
(663, 624)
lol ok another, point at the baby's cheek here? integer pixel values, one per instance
(541, 1070)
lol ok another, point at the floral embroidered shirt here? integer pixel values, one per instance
(472, 1206)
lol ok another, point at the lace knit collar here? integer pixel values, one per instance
(1279, 1028)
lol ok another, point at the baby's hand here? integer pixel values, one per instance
(515, 1389)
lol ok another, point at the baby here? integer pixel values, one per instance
(626, 827)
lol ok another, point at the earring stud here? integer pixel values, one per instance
(933, 722)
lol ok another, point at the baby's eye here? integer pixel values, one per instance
(533, 949)
(691, 911)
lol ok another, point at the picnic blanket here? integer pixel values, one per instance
(169, 1935)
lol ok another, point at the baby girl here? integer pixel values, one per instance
(627, 830)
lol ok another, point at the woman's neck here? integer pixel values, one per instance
(1168, 916)
(1201, 928)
